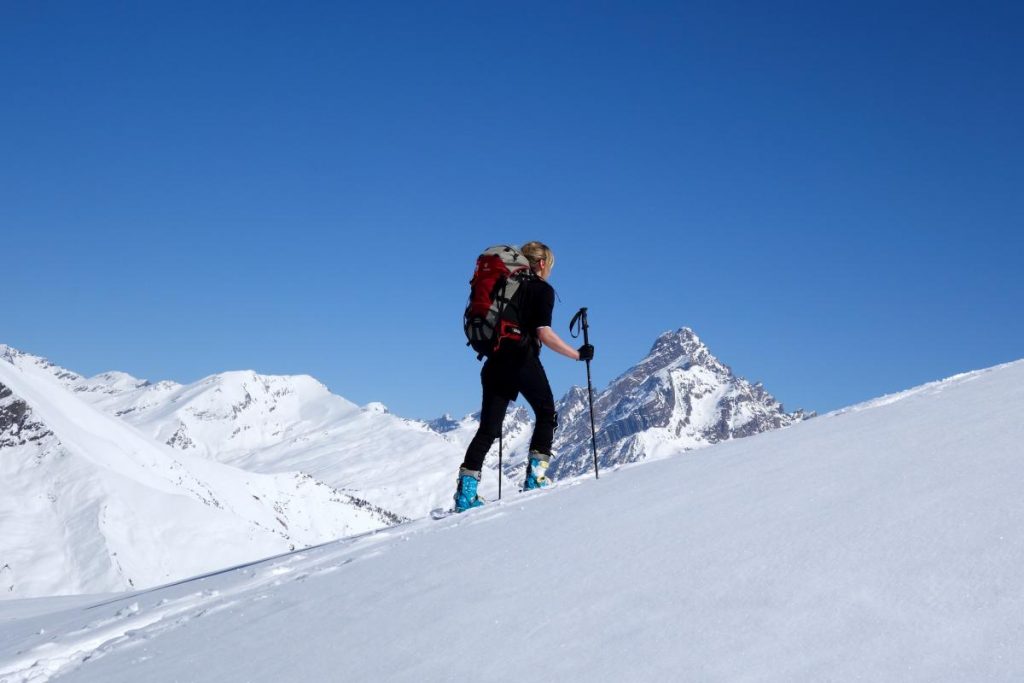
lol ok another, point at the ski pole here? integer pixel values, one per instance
(581, 317)
(500, 439)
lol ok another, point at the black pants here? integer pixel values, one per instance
(503, 380)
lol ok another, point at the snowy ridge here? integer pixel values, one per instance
(880, 543)
(222, 416)
(272, 424)
(91, 505)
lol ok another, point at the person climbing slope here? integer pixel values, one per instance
(511, 336)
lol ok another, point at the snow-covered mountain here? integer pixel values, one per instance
(89, 504)
(878, 543)
(679, 397)
(273, 424)
(516, 431)
(327, 467)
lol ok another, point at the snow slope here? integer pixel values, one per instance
(88, 504)
(272, 424)
(878, 543)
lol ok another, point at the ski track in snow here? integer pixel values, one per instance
(140, 616)
(130, 620)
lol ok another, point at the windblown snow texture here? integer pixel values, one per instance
(881, 542)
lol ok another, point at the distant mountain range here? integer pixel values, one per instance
(113, 482)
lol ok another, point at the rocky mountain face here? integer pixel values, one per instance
(17, 424)
(679, 397)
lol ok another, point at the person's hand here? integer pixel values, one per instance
(586, 352)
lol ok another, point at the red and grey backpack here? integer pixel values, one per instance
(493, 316)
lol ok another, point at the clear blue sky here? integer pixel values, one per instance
(830, 194)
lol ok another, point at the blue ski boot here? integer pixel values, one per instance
(465, 494)
(536, 471)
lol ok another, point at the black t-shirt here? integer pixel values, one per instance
(538, 306)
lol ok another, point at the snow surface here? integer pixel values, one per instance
(878, 543)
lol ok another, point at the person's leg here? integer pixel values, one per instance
(492, 414)
(534, 386)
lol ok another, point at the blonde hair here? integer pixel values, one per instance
(535, 252)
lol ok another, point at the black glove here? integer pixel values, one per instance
(586, 352)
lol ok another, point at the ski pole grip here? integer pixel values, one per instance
(580, 317)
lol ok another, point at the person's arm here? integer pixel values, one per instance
(549, 338)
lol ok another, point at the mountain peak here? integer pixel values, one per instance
(684, 336)
(20, 358)
(111, 382)
(444, 424)
(679, 397)
(9, 353)
(681, 348)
